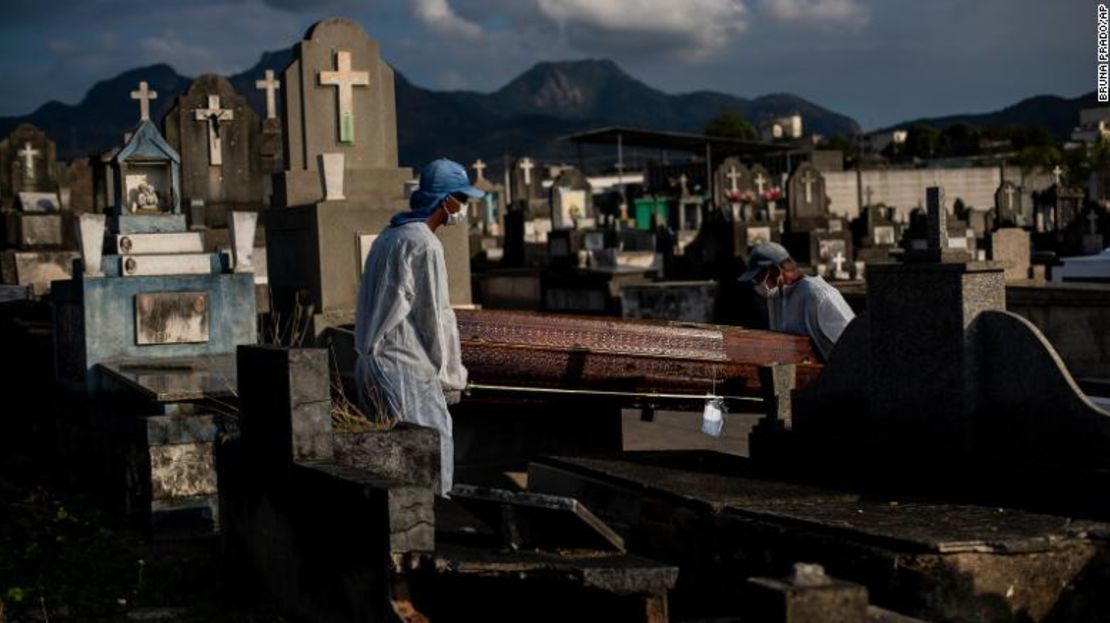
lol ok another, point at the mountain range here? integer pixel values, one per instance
(524, 117)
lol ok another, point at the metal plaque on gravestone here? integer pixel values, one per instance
(216, 133)
(806, 199)
(171, 318)
(730, 181)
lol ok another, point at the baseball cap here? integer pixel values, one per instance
(443, 176)
(763, 256)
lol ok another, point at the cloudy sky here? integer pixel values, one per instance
(879, 61)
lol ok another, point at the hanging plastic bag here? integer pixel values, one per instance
(713, 417)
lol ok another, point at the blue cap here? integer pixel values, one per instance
(443, 177)
(438, 179)
(763, 256)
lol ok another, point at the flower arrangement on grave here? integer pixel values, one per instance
(772, 194)
(740, 196)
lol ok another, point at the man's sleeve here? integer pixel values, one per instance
(442, 327)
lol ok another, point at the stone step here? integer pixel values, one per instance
(176, 264)
(159, 244)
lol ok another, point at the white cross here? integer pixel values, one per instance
(1092, 218)
(526, 166)
(144, 95)
(479, 168)
(344, 79)
(733, 175)
(759, 182)
(28, 154)
(270, 86)
(212, 116)
(1056, 173)
(839, 261)
(1009, 196)
(808, 180)
(682, 179)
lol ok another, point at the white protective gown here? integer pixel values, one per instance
(810, 306)
(407, 336)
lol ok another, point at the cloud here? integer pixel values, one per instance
(691, 30)
(439, 17)
(819, 12)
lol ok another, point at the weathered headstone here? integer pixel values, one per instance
(217, 135)
(27, 164)
(806, 196)
(338, 98)
(1010, 247)
(731, 180)
(1008, 208)
(571, 200)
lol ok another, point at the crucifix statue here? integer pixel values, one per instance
(526, 166)
(213, 115)
(808, 180)
(733, 175)
(270, 86)
(345, 80)
(144, 95)
(759, 182)
(479, 169)
(28, 154)
(1009, 196)
(1056, 173)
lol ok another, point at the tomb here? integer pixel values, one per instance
(146, 329)
(812, 235)
(341, 182)
(37, 242)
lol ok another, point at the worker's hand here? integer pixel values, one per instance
(453, 396)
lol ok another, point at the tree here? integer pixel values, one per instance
(925, 141)
(731, 124)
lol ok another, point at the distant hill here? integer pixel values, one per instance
(1056, 114)
(523, 117)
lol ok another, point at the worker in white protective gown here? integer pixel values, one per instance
(409, 359)
(797, 303)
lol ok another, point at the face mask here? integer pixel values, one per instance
(762, 290)
(456, 218)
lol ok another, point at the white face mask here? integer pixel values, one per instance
(762, 290)
(456, 218)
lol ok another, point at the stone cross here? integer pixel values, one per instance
(479, 168)
(526, 166)
(28, 154)
(270, 86)
(838, 261)
(212, 116)
(1056, 173)
(759, 182)
(1092, 218)
(344, 80)
(1009, 197)
(682, 179)
(733, 175)
(144, 95)
(938, 218)
(808, 180)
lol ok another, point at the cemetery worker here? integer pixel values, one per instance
(409, 358)
(797, 303)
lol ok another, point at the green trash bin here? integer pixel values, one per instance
(646, 207)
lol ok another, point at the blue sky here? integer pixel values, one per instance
(879, 61)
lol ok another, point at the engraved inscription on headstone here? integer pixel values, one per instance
(171, 318)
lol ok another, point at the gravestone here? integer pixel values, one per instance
(526, 189)
(270, 136)
(79, 184)
(489, 211)
(1010, 248)
(28, 163)
(571, 200)
(808, 204)
(730, 181)
(341, 182)
(1007, 206)
(217, 135)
